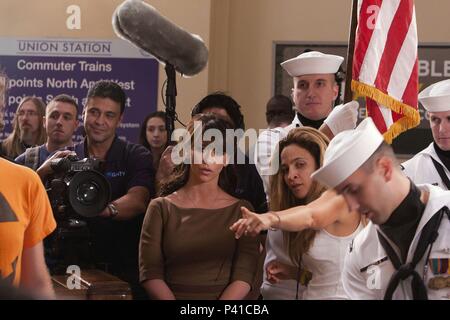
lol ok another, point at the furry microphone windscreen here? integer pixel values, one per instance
(140, 23)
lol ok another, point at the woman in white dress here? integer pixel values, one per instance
(304, 262)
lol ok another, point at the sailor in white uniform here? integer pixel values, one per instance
(432, 165)
(315, 91)
(404, 252)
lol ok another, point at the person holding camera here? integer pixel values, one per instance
(129, 171)
(60, 122)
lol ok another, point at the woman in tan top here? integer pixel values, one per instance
(186, 249)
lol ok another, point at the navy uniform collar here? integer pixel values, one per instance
(443, 155)
(316, 124)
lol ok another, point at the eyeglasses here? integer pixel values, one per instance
(29, 113)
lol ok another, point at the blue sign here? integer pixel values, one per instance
(46, 68)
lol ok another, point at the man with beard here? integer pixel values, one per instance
(28, 129)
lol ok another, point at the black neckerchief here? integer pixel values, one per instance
(310, 123)
(443, 155)
(402, 224)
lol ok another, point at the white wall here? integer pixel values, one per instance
(239, 33)
(47, 18)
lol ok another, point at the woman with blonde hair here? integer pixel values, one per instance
(28, 127)
(312, 250)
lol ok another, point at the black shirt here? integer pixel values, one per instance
(250, 187)
(443, 155)
(115, 243)
(316, 124)
(402, 224)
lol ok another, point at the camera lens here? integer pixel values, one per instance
(87, 193)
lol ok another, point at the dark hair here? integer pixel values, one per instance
(66, 99)
(142, 132)
(279, 110)
(281, 197)
(108, 89)
(383, 150)
(339, 77)
(180, 175)
(221, 100)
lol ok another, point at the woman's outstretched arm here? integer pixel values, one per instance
(316, 215)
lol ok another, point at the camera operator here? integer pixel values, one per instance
(128, 169)
(60, 122)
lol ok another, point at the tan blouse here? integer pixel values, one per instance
(194, 251)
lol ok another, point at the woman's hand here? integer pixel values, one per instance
(252, 223)
(276, 271)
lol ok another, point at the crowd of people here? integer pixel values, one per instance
(325, 211)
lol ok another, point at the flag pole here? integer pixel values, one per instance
(348, 95)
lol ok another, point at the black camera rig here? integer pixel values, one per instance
(78, 192)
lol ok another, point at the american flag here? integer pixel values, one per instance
(385, 64)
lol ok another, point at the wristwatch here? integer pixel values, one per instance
(113, 210)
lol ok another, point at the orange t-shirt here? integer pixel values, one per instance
(26, 217)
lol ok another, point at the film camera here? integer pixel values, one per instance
(77, 192)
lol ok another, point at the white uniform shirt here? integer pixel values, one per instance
(265, 147)
(325, 259)
(367, 269)
(420, 169)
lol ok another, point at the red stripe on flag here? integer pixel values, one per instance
(394, 41)
(388, 51)
(396, 116)
(412, 88)
(410, 94)
(363, 35)
(373, 110)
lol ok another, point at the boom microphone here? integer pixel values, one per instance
(140, 24)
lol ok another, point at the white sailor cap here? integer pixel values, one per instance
(313, 62)
(436, 98)
(346, 152)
